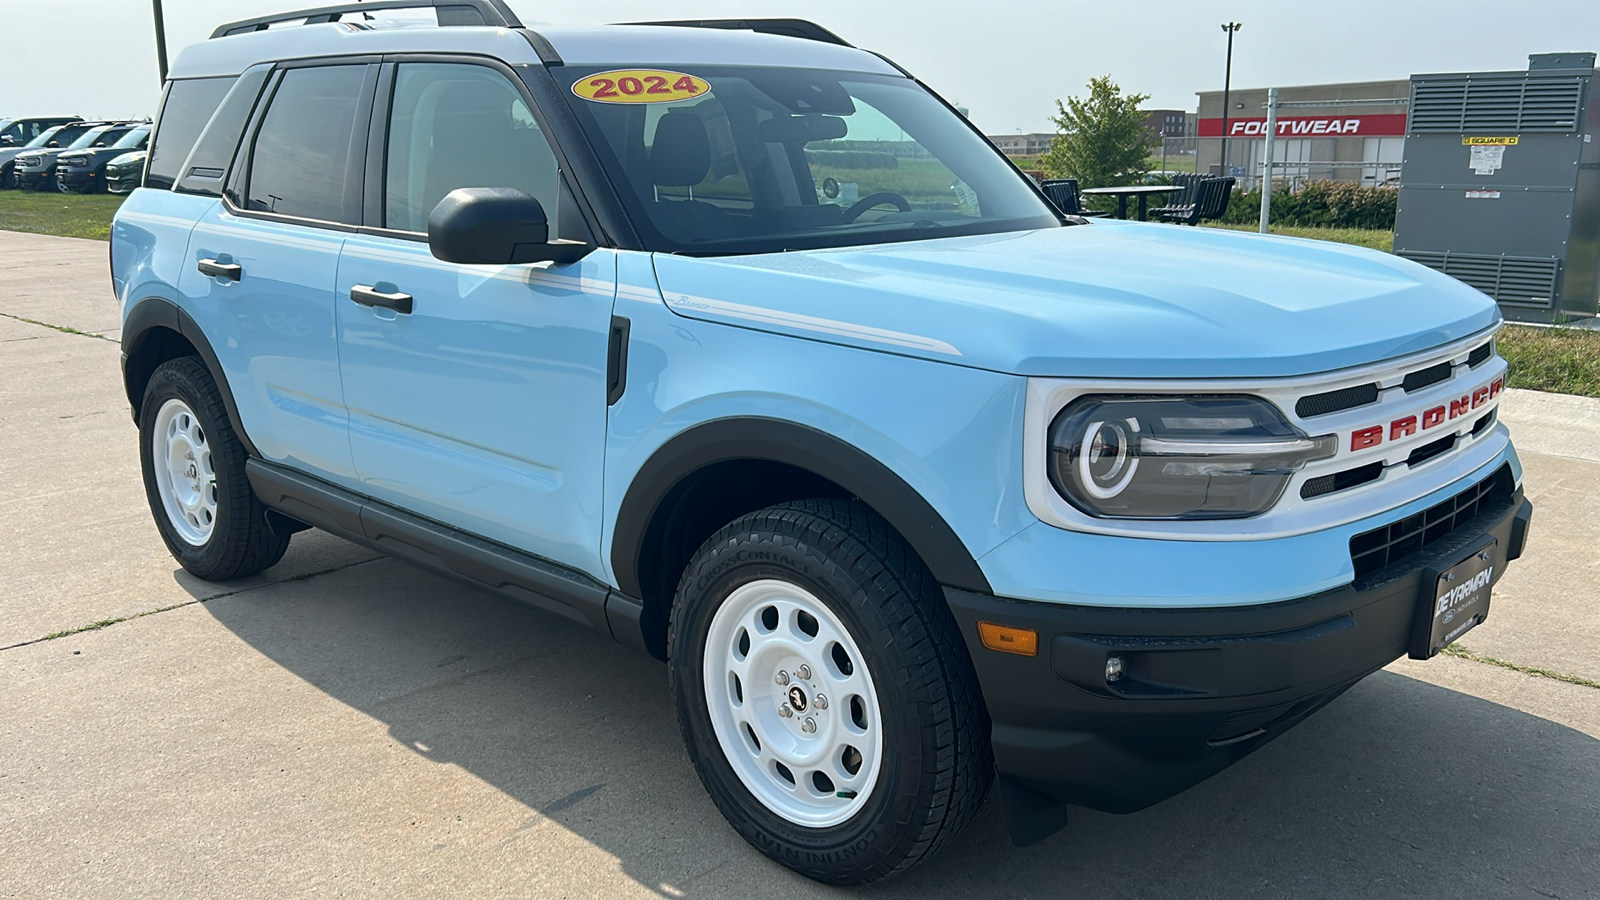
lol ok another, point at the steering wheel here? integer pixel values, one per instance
(877, 199)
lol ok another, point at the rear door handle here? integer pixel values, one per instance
(230, 271)
(366, 295)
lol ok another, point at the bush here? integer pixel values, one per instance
(1321, 204)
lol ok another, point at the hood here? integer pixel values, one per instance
(127, 158)
(1111, 299)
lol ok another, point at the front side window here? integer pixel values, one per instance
(59, 136)
(751, 160)
(188, 106)
(302, 151)
(455, 125)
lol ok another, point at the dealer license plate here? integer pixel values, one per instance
(1460, 599)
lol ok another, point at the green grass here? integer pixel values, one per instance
(1361, 237)
(1559, 360)
(66, 215)
(1175, 162)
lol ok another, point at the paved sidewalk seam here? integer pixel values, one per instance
(107, 623)
(1460, 652)
(64, 329)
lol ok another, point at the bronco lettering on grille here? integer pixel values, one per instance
(1405, 426)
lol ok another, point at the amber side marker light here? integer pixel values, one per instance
(1004, 638)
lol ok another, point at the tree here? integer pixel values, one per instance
(1101, 140)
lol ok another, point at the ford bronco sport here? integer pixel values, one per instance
(738, 344)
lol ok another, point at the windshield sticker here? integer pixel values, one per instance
(640, 86)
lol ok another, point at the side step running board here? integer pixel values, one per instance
(510, 573)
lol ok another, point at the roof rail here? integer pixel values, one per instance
(796, 28)
(450, 12)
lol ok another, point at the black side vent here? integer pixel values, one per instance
(1336, 401)
(1340, 481)
(1481, 355)
(1507, 106)
(1421, 378)
(1429, 451)
(1516, 280)
(1391, 544)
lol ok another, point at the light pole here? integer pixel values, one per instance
(161, 40)
(1227, 83)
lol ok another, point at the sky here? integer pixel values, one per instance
(1008, 62)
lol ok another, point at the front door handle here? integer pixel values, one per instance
(366, 295)
(230, 271)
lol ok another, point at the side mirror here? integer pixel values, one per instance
(55, 143)
(496, 226)
(7, 140)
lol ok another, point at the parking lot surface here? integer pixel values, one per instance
(348, 725)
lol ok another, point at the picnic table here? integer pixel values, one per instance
(1142, 191)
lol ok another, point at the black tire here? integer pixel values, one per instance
(937, 762)
(241, 541)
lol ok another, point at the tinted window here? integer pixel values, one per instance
(188, 106)
(133, 140)
(107, 134)
(61, 136)
(208, 163)
(302, 150)
(454, 126)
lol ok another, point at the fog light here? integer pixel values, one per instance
(1113, 669)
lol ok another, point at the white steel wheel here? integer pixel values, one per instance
(185, 477)
(792, 703)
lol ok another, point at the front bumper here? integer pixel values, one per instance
(77, 179)
(1201, 687)
(33, 179)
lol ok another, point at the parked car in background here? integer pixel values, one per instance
(35, 170)
(83, 171)
(19, 131)
(59, 136)
(124, 173)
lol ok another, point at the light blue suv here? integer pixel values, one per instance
(740, 345)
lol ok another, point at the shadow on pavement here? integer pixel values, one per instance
(1397, 788)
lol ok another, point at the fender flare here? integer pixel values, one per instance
(154, 313)
(820, 453)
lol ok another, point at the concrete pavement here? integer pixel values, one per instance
(349, 725)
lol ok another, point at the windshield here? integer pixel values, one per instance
(46, 137)
(755, 160)
(93, 136)
(133, 140)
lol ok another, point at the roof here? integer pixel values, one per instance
(579, 46)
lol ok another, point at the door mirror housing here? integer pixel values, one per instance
(496, 226)
(7, 140)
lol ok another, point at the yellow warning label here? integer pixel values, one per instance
(1488, 142)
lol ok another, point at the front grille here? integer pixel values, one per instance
(1480, 356)
(1416, 381)
(1429, 451)
(1336, 401)
(1341, 481)
(1393, 543)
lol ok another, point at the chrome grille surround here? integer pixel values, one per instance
(1293, 514)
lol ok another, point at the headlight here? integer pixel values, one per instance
(1177, 457)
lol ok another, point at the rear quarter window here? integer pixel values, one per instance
(187, 107)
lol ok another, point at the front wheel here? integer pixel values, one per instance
(825, 694)
(194, 477)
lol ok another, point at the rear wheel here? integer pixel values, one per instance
(194, 477)
(825, 694)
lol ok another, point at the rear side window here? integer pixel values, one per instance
(204, 170)
(301, 157)
(187, 108)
